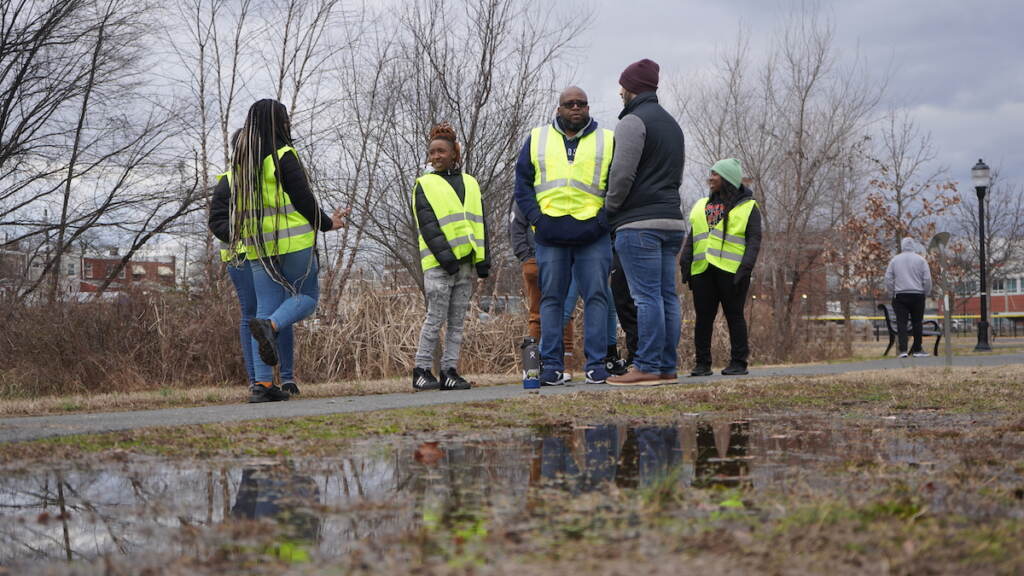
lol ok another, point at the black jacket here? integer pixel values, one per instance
(295, 184)
(753, 235)
(520, 234)
(647, 170)
(434, 236)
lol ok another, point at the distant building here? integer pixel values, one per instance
(158, 272)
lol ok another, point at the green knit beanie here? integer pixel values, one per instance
(730, 170)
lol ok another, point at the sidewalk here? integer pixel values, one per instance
(36, 427)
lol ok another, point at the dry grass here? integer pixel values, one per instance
(176, 341)
(203, 396)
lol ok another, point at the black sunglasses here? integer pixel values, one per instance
(574, 104)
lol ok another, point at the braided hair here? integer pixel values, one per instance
(445, 131)
(266, 129)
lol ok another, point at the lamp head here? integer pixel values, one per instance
(980, 175)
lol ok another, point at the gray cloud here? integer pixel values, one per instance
(956, 66)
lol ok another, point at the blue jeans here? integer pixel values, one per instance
(241, 278)
(589, 266)
(284, 305)
(648, 258)
(570, 307)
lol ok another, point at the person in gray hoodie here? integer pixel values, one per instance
(909, 280)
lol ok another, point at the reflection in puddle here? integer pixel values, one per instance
(325, 507)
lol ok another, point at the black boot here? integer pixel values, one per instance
(290, 387)
(735, 368)
(260, 393)
(701, 370)
(263, 331)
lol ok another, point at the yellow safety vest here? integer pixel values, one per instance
(461, 222)
(226, 254)
(721, 248)
(574, 188)
(282, 229)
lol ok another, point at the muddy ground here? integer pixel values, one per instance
(913, 472)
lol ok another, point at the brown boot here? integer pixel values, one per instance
(636, 377)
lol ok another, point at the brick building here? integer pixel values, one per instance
(155, 273)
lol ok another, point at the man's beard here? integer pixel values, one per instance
(576, 126)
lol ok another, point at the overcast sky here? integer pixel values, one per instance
(958, 66)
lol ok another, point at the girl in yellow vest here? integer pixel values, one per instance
(277, 218)
(449, 215)
(239, 270)
(719, 255)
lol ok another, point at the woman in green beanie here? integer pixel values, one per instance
(716, 262)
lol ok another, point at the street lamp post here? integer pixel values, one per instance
(981, 179)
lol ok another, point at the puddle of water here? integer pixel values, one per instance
(325, 507)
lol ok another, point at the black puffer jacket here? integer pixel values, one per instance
(731, 199)
(434, 236)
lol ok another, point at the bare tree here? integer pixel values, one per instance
(907, 178)
(794, 125)
(492, 73)
(75, 126)
(1004, 231)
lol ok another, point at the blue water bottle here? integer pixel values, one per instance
(530, 358)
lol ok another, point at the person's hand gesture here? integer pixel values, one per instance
(339, 219)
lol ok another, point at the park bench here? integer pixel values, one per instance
(890, 323)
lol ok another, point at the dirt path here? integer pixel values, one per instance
(32, 428)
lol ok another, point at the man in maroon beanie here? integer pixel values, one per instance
(644, 211)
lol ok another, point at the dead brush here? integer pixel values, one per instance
(136, 342)
(376, 332)
(164, 340)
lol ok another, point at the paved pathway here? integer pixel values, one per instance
(31, 428)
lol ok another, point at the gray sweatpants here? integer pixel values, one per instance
(447, 299)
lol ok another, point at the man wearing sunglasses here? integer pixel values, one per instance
(561, 177)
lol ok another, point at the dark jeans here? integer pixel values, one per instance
(625, 308)
(710, 288)
(908, 305)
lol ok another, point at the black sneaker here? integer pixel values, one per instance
(263, 331)
(261, 393)
(423, 379)
(291, 388)
(615, 366)
(735, 369)
(701, 370)
(450, 380)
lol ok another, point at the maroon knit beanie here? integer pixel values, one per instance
(640, 76)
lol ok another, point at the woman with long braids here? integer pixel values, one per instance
(448, 209)
(276, 216)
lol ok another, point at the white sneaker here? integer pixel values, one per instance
(903, 354)
(566, 377)
(920, 354)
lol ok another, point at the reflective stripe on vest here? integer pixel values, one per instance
(461, 222)
(721, 248)
(282, 229)
(226, 254)
(574, 188)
